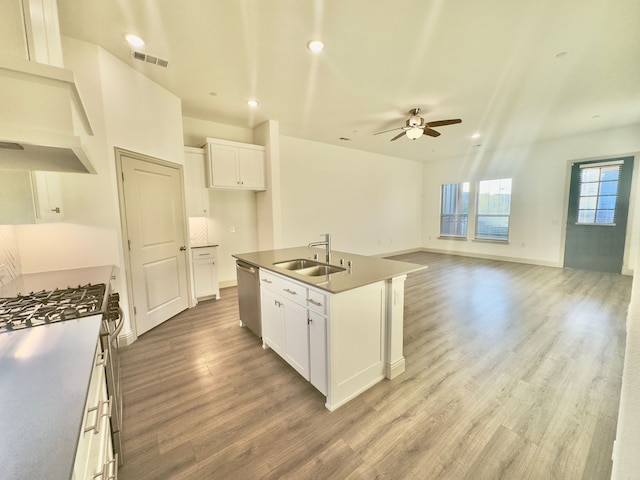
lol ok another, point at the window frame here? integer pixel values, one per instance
(461, 216)
(478, 215)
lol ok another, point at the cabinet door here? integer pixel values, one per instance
(296, 341)
(223, 166)
(196, 192)
(205, 276)
(13, 37)
(251, 167)
(272, 310)
(16, 198)
(48, 196)
(318, 351)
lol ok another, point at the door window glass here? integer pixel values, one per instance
(598, 193)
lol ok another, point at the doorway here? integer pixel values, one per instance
(154, 229)
(597, 215)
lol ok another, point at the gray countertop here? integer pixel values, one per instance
(44, 380)
(43, 389)
(365, 270)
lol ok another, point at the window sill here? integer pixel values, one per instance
(491, 240)
(452, 237)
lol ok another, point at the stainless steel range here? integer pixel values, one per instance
(44, 307)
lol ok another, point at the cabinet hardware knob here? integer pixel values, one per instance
(290, 291)
(183, 248)
(56, 210)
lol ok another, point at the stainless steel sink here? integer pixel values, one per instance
(319, 270)
(297, 264)
(311, 268)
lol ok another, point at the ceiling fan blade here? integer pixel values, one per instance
(398, 136)
(386, 131)
(442, 123)
(431, 133)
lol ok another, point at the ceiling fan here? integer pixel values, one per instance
(416, 126)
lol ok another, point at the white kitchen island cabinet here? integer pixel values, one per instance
(235, 165)
(341, 331)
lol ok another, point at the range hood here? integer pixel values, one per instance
(40, 116)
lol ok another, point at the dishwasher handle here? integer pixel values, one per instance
(246, 267)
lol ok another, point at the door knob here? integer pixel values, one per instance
(183, 248)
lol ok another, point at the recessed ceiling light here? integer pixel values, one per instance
(134, 40)
(315, 46)
(345, 139)
(475, 135)
(561, 54)
(252, 103)
(213, 94)
(596, 116)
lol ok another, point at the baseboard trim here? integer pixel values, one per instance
(228, 283)
(392, 370)
(501, 258)
(126, 339)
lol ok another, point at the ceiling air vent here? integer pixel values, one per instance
(145, 57)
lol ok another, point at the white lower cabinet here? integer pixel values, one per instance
(292, 329)
(272, 321)
(318, 351)
(205, 272)
(296, 337)
(94, 456)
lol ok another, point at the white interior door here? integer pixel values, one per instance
(155, 224)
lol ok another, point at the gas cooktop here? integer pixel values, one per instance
(41, 308)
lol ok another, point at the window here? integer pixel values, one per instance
(454, 210)
(494, 206)
(598, 193)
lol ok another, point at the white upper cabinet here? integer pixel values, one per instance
(195, 192)
(48, 197)
(13, 37)
(234, 165)
(30, 197)
(30, 29)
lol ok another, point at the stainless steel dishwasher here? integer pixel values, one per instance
(249, 296)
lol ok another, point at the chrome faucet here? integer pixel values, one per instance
(327, 245)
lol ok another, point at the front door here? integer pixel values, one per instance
(155, 226)
(597, 216)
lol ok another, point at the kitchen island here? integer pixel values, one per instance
(343, 330)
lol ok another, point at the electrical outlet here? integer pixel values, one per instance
(232, 229)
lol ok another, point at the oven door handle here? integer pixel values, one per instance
(118, 328)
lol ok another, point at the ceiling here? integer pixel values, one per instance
(515, 72)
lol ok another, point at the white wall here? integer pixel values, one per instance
(371, 204)
(228, 208)
(129, 111)
(196, 131)
(539, 194)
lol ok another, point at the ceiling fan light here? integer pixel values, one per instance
(414, 133)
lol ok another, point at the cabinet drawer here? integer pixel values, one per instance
(294, 291)
(203, 253)
(317, 301)
(270, 280)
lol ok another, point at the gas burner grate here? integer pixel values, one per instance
(49, 306)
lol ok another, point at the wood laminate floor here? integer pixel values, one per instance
(513, 372)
